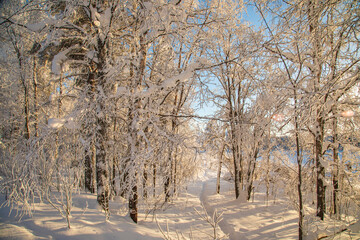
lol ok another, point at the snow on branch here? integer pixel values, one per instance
(204, 117)
(58, 60)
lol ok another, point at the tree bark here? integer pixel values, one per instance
(102, 174)
(299, 185)
(26, 91)
(90, 150)
(174, 170)
(154, 179)
(115, 162)
(316, 69)
(133, 201)
(35, 85)
(234, 143)
(299, 164)
(251, 172)
(219, 170)
(102, 171)
(145, 180)
(335, 178)
(89, 170)
(133, 142)
(320, 171)
(168, 178)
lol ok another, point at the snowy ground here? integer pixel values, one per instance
(241, 219)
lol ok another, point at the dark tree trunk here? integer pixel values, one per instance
(299, 184)
(133, 200)
(218, 177)
(219, 172)
(90, 151)
(175, 170)
(26, 91)
(35, 85)
(130, 175)
(102, 171)
(102, 174)
(268, 169)
(335, 178)
(236, 160)
(167, 183)
(251, 172)
(113, 177)
(115, 162)
(154, 180)
(167, 189)
(89, 171)
(320, 171)
(145, 180)
(238, 171)
(316, 70)
(123, 173)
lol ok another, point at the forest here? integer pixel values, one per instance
(130, 100)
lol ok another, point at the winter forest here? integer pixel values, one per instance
(180, 119)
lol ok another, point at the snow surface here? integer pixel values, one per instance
(241, 219)
(57, 123)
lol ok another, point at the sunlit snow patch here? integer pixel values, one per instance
(57, 123)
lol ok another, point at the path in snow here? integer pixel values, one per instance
(241, 219)
(181, 216)
(249, 220)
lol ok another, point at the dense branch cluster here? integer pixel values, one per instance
(100, 96)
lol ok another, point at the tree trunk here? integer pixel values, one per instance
(167, 189)
(335, 178)
(267, 178)
(299, 163)
(154, 180)
(93, 168)
(175, 170)
(236, 159)
(88, 171)
(131, 172)
(251, 175)
(320, 171)
(145, 180)
(218, 177)
(299, 185)
(219, 171)
(123, 175)
(251, 170)
(102, 174)
(102, 171)
(316, 70)
(35, 85)
(133, 201)
(113, 177)
(133, 144)
(26, 92)
(115, 162)
(168, 179)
